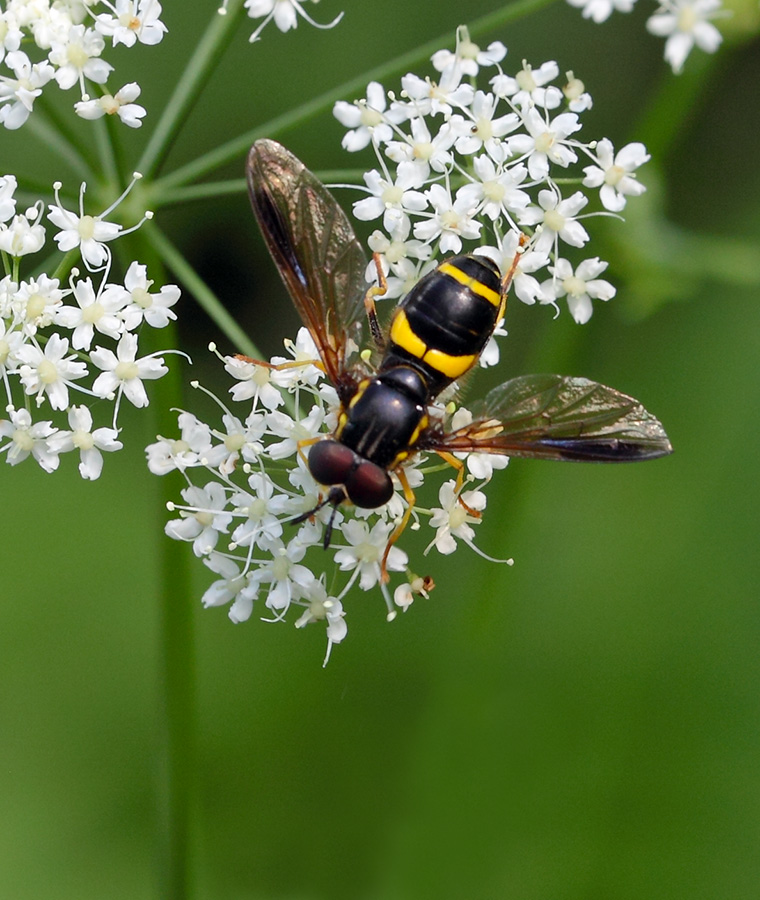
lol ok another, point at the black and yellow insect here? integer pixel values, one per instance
(436, 335)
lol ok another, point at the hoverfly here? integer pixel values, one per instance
(436, 335)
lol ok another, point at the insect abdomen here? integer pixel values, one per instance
(445, 321)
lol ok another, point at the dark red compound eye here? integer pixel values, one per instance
(331, 462)
(366, 484)
(369, 486)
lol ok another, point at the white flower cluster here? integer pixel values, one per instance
(284, 14)
(80, 338)
(685, 24)
(67, 39)
(248, 485)
(463, 168)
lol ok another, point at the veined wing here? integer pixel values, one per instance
(315, 249)
(558, 417)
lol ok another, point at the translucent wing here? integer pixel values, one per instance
(315, 249)
(557, 417)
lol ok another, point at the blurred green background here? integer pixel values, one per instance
(582, 725)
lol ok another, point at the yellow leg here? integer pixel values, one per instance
(369, 301)
(459, 466)
(278, 367)
(397, 531)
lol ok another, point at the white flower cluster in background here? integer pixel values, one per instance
(63, 41)
(68, 349)
(247, 481)
(284, 14)
(464, 169)
(685, 24)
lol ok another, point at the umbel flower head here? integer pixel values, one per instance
(249, 492)
(64, 43)
(457, 168)
(66, 346)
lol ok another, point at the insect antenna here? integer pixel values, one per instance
(335, 497)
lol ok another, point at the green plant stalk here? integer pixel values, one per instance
(175, 774)
(56, 131)
(201, 292)
(189, 87)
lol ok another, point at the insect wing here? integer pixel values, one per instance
(315, 249)
(558, 417)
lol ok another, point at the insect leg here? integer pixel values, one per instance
(278, 367)
(377, 290)
(506, 281)
(459, 466)
(397, 531)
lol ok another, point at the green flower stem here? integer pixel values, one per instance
(176, 800)
(235, 148)
(66, 264)
(105, 143)
(207, 189)
(201, 292)
(201, 191)
(54, 134)
(210, 48)
(176, 772)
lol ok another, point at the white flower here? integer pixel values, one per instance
(120, 104)
(50, 371)
(600, 10)
(579, 286)
(10, 341)
(557, 218)
(545, 142)
(484, 130)
(17, 95)
(322, 608)
(365, 551)
(468, 56)
(284, 12)
(260, 510)
(91, 444)
(233, 587)
(452, 220)
(204, 516)
(293, 430)
(122, 372)
(78, 57)
(131, 22)
(253, 382)
(616, 173)
(138, 304)
(93, 312)
(405, 593)
(288, 580)
(27, 437)
(89, 233)
(22, 237)
(686, 23)
(422, 151)
(8, 186)
(496, 191)
(574, 90)
(524, 284)
(367, 119)
(36, 303)
(428, 97)
(191, 449)
(452, 520)
(528, 86)
(392, 200)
